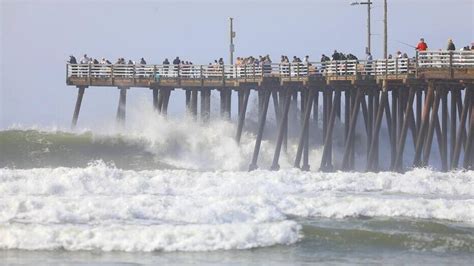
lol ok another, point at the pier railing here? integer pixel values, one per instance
(398, 66)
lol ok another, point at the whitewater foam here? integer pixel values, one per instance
(106, 208)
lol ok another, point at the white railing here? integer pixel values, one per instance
(428, 59)
(443, 59)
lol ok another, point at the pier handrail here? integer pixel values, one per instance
(294, 71)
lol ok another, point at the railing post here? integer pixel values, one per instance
(345, 68)
(134, 73)
(223, 74)
(417, 59)
(298, 71)
(253, 75)
(451, 71)
(289, 71)
(89, 73)
(112, 74)
(396, 67)
(201, 75)
(408, 65)
(154, 72)
(245, 72)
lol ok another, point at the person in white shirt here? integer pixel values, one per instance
(85, 59)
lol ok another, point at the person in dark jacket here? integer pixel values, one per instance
(351, 57)
(336, 55)
(166, 62)
(142, 61)
(72, 60)
(95, 62)
(176, 61)
(451, 46)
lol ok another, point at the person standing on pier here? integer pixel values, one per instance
(85, 59)
(72, 60)
(166, 66)
(451, 46)
(422, 46)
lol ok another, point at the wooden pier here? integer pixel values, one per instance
(409, 94)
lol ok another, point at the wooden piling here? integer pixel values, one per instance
(166, 100)
(375, 158)
(155, 99)
(373, 153)
(453, 125)
(350, 135)
(468, 151)
(444, 130)
(243, 111)
(304, 131)
(326, 160)
(419, 102)
(122, 105)
(188, 101)
(228, 104)
(281, 131)
(431, 127)
(276, 106)
(77, 108)
(408, 118)
(347, 113)
(281, 100)
(461, 129)
(394, 128)
(161, 99)
(421, 137)
(205, 104)
(316, 110)
(194, 102)
(370, 118)
(261, 126)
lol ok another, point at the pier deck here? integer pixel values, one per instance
(389, 89)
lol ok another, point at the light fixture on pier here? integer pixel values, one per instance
(368, 3)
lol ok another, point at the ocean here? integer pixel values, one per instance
(175, 192)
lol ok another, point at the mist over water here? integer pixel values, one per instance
(175, 184)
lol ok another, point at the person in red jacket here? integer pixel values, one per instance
(422, 46)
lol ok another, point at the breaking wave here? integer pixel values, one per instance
(178, 185)
(106, 208)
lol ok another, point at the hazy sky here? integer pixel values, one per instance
(38, 36)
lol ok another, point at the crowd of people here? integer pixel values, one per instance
(89, 60)
(263, 63)
(422, 46)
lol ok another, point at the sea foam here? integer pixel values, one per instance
(102, 207)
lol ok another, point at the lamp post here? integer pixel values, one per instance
(232, 36)
(368, 3)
